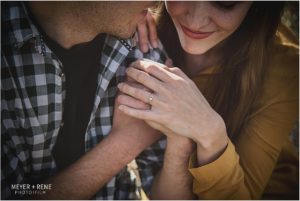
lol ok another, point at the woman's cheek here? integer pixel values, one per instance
(175, 8)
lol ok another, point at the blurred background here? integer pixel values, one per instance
(291, 19)
(291, 16)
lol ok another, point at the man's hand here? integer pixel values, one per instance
(132, 129)
(147, 33)
(128, 137)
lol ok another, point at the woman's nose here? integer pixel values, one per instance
(198, 15)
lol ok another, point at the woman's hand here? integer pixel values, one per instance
(177, 106)
(147, 32)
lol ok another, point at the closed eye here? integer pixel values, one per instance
(224, 5)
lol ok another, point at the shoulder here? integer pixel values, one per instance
(283, 67)
(281, 80)
(284, 52)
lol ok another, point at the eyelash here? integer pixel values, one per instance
(225, 5)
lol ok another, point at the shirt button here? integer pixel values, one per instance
(61, 75)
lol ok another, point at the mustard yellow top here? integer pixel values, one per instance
(263, 162)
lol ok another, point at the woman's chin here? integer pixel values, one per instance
(194, 50)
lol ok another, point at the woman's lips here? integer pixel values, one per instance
(195, 34)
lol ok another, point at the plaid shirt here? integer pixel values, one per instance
(32, 104)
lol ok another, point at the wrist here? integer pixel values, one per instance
(212, 135)
(210, 154)
(121, 147)
(178, 150)
(212, 145)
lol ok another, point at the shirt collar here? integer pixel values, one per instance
(129, 43)
(22, 27)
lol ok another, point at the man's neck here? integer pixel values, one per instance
(61, 27)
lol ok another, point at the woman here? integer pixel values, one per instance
(234, 95)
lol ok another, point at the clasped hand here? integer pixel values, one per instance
(177, 105)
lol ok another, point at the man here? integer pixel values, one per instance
(61, 137)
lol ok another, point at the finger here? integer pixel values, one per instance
(151, 68)
(135, 84)
(178, 72)
(143, 36)
(140, 94)
(146, 79)
(152, 30)
(129, 79)
(123, 99)
(139, 114)
(160, 71)
(169, 62)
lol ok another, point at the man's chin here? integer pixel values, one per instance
(126, 36)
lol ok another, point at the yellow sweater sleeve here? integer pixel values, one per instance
(243, 172)
(244, 169)
(221, 179)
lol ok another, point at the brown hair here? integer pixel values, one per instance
(242, 64)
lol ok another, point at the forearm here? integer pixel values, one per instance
(173, 181)
(89, 174)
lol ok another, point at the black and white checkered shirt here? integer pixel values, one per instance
(32, 104)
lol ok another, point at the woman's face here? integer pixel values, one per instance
(201, 25)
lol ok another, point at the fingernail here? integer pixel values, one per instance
(121, 107)
(119, 86)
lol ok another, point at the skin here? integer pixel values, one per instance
(205, 17)
(78, 22)
(178, 108)
(70, 23)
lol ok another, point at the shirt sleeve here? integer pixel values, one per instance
(244, 169)
(150, 162)
(11, 168)
(243, 172)
(221, 179)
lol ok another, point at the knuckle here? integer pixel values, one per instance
(151, 69)
(123, 88)
(134, 92)
(136, 63)
(153, 36)
(165, 67)
(140, 76)
(139, 94)
(126, 88)
(144, 105)
(146, 89)
(119, 99)
(176, 69)
(190, 82)
(144, 41)
(176, 81)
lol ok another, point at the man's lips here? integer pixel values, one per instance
(195, 34)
